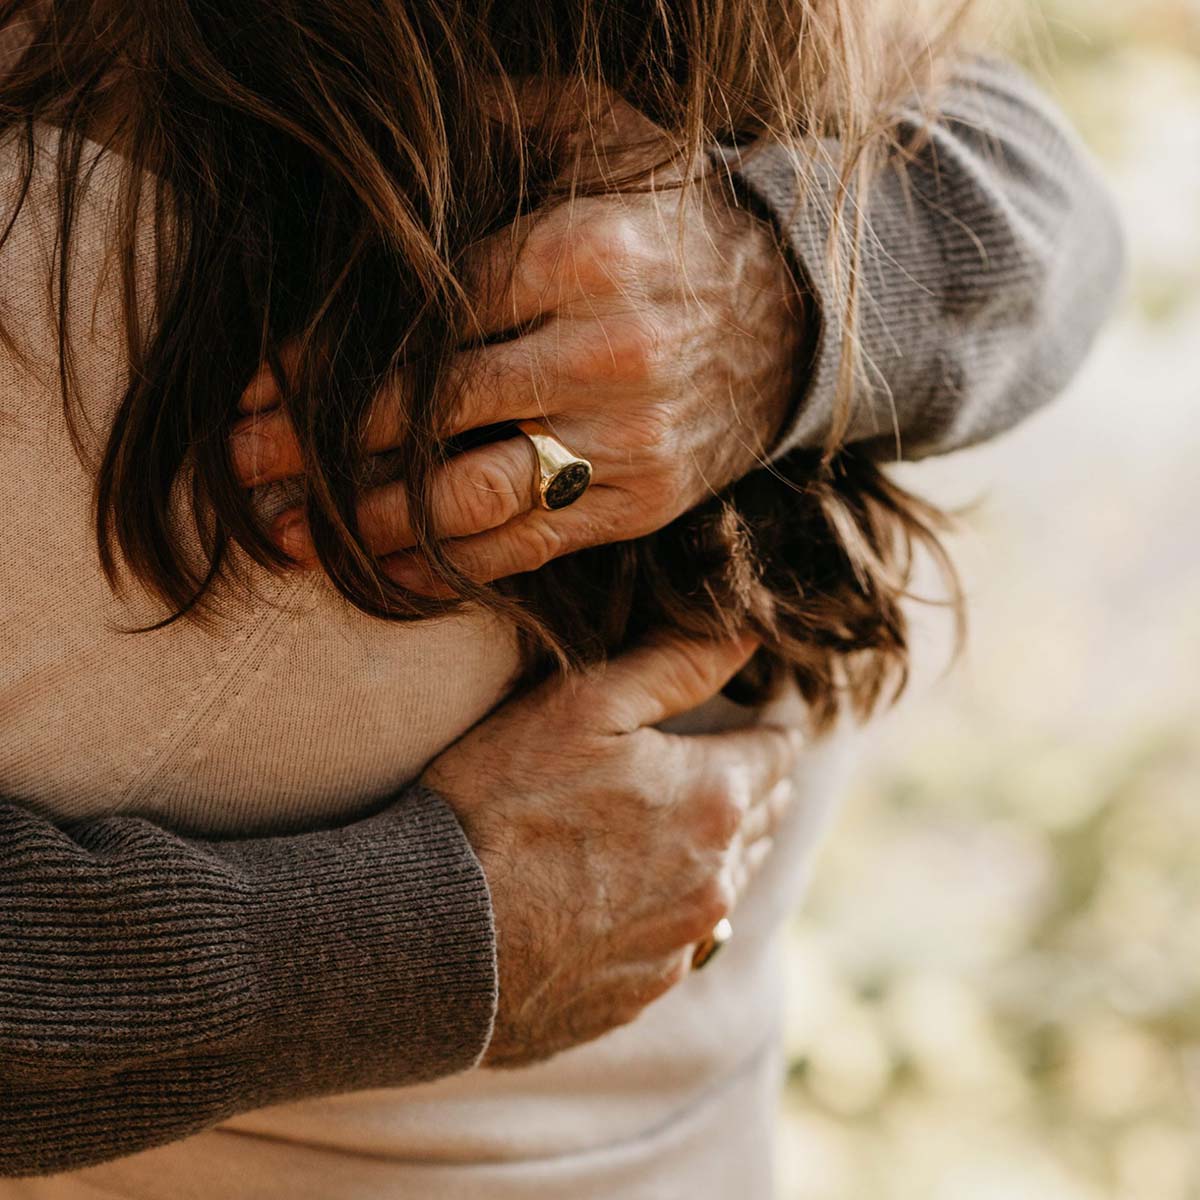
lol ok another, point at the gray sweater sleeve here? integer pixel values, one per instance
(152, 985)
(990, 261)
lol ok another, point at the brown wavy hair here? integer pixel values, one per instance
(316, 172)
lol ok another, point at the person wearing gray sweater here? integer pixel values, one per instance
(153, 984)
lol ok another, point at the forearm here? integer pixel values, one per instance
(152, 985)
(988, 263)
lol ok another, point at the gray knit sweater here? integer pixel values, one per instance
(152, 985)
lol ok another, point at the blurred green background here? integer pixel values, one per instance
(995, 982)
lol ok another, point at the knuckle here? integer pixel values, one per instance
(659, 428)
(483, 497)
(639, 347)
(657, 985)
(558, 704)
(544, 254)
(627, 1012)
(604, 250)
(669, 973)
(256, 446)
(660, 502)
(723, 820)
(377, 513)
(539, 543)
(677, 971)
(659, 978)
(720, 815)
(642, 788)
(713, 902)
(626, 352)
(589, 693)
(780, 798)
(646, 796)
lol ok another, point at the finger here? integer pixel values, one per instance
(691, 915)
(749, 863)
(479, 490)
(530, 376)
(676, 925)
(654, 965)
(524, 544)
(507, 382)
(736, 874)
(744, 765)
(515, 276)
(534, 375)
(728, 784)
(763, 818)
(264, 391)
(546, 260)
(666, 676)
(264, 446)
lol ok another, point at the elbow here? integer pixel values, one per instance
(1034, 220)
(1100, 266)
(1057, 273)
(1080, 282)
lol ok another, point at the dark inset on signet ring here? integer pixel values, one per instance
(562, 477)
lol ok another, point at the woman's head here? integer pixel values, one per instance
(317, 172)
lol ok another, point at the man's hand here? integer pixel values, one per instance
(663, 350)
(610, 848)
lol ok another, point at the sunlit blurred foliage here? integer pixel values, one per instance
(995, 983)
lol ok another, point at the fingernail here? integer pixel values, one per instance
(261, 390)
(251, 455)
(415, 576)
(408, 574)
(290, 534)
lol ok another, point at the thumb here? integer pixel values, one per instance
(666, 676)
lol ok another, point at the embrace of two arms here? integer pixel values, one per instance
(167, 983)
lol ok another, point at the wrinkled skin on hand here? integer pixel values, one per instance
(660, 337)
(610, 847)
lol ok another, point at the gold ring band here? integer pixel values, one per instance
(710, 947)
(562, 477)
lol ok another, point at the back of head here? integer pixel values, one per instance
(317, 172)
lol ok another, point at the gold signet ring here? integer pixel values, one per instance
(710, 947)
(562, 477)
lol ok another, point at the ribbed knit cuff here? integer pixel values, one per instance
(990, 254)
(764, 179)
(377, 954)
